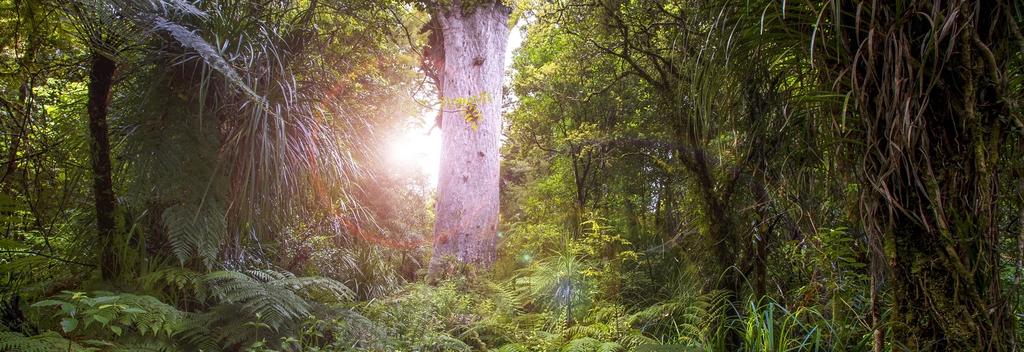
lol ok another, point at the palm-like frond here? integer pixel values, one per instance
(194, 233)
(257, 98)
(45, 342)
(512, 347)
(689, 317)
(258, 303)
(557, 282)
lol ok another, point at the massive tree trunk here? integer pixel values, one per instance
(101, 79)
(468, 55)
(932, 110)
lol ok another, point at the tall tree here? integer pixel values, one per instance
(928, 84)
(101, 80)
(104, 34)
(933, 133)
(467, 56)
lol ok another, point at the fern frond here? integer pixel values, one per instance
(182, 281)
(596, 330)
(585, 344)
(443, 342)
(633, 339)
(610, 347)
(259, 304)
(46, 342)
(145, 345)
(322, 288)
(512, 347)
(194, 232)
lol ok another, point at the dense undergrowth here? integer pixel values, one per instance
(569, 301)
(271, 311)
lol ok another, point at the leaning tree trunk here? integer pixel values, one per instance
(101, 79)
(468, 55)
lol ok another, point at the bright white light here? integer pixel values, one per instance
(413, 151)
(515, 39)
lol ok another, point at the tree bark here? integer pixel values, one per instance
(928, 172)
(470, 61)
(101, 79)
(877, 264)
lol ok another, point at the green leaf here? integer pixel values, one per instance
(102, 319)
(68, 308)
(116, 329)
(69, 324)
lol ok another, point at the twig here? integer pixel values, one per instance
(49, 257)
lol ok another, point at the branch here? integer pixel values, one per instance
(49, 257)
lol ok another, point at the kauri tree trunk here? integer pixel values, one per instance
(467, 51)
(101, 79)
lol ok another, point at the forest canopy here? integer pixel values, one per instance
(635, 175)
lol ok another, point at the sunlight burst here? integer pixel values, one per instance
(413, 150)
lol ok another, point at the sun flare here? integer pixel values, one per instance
(416, 150)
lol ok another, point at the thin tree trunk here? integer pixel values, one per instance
(764, 231)
(761, 262)
(471, 71)
(877, 265)
(1020, 243)
(101, 79)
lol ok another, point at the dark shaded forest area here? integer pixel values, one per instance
(635, 175)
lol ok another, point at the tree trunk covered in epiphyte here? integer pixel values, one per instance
(466, 56)
(101, 79)
(932, 113)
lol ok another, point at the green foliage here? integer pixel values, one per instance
(588, 344)
(426, 318)
(45, 342)
(251, 306)
(254, 308)
(193, 233)
(768, 330)
(683, 176)
(112, 314)
(689, 318)
(556, 283)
